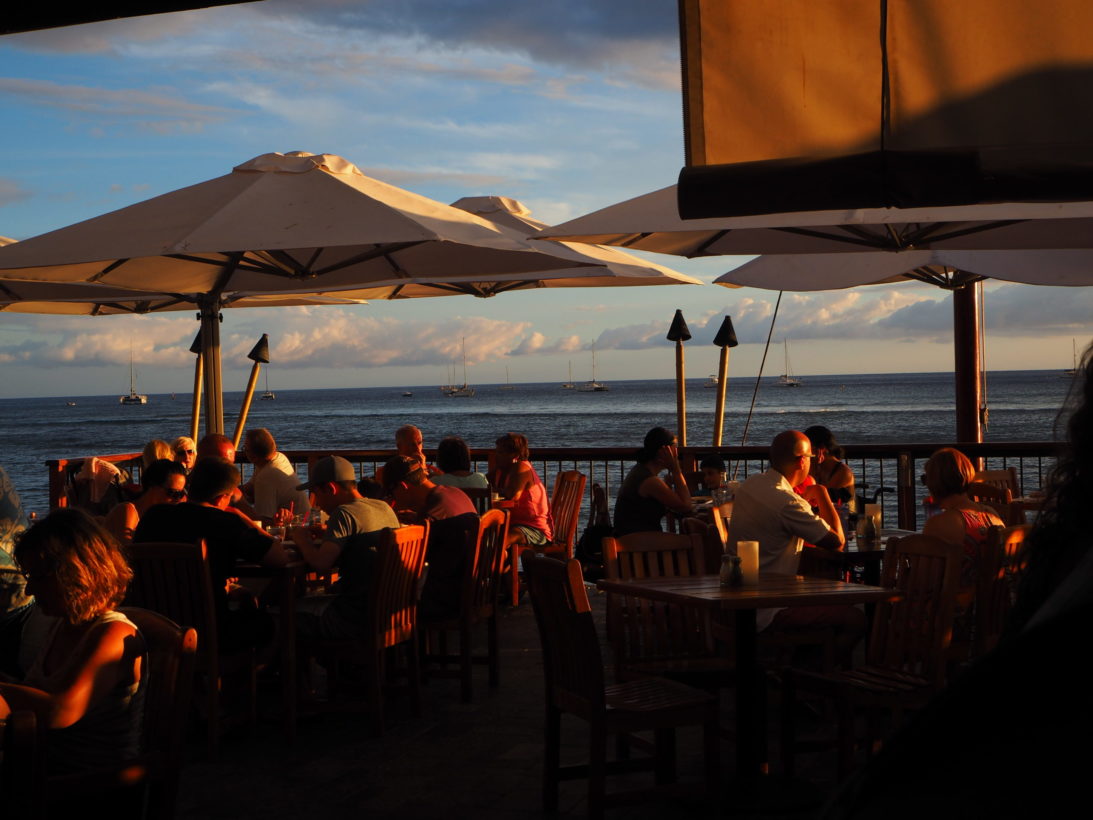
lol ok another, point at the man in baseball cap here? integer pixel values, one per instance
(348, 543)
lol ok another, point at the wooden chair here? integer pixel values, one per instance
(1005, 479)
(391, 620)
(479, 496)
(905, 660)
(999, 499)
(565, 509)
(996, 583)
(144, 786)
(650, 637)
(174, 580)
(477, 603)
(573, 670)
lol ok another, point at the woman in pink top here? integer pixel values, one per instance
(517, 481)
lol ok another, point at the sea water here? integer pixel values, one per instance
(879, 408)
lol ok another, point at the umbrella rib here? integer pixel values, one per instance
(367, 256)
(973, 229)
(701, 249)
(870, 242)
(117, 263)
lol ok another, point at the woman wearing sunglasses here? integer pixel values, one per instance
(163, 482)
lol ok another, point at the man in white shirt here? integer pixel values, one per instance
(767, 509)
(273, 486)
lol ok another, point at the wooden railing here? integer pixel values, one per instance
(897, 466)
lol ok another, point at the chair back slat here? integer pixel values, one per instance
(400, 556)
(1005, 479)
(565, 507)
(479, 496)
(645, 631)
(572, 663)
(911, 633)
(998, 498)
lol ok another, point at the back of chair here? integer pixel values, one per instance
(572, 663)
(911, 633)
(996, 583)
(22, 770)
(998, 498)
(485, 575)
(652, 632)
(174, 580)
(479, 496)
(171, 652)
(565, 507)
(400, 556)
(1005, 479)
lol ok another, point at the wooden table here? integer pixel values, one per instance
(705, 592)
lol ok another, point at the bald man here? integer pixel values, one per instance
(767, 510)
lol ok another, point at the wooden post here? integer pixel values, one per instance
(725, 338)
(679, 333)
(259, 354)
(966, 369)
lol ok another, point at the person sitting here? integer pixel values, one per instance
(517, 481)
(273, 485)
(348, 543)
(409, 442)
(712, 468)
(644, 497)
(217, 445)
(768, 510)
(185, 451)
(154, 450)
(453, 527)
(162, 482)
(453, 458)
(961, 521)
(230, 536)
(828, 468)
(85, 685)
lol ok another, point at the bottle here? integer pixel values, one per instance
(869, 532)
(725, 575)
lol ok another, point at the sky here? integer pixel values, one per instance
(565, 105)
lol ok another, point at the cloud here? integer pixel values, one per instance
(156, 111)
(12, 191)
(536, 344)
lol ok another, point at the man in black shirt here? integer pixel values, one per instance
(229, 537)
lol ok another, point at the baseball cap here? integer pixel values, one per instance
(326, 470)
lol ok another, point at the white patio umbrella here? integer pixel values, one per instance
(276, 225)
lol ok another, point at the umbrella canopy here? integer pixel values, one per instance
(276, 225)
(947, 269)
(651, 222)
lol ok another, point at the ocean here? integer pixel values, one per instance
(878, 408)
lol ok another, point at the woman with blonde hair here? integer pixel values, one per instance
(185, 451)
(84, 686)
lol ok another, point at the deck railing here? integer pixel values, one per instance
(897, 466)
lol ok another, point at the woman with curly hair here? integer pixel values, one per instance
(84, 685)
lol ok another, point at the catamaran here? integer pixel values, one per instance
(508, 384)
(134, 397)
(269, 395)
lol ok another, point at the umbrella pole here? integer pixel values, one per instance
(722, 386)
(966, 367)
(195, 411)
(210, 354)
(239, 425)
(681, 395)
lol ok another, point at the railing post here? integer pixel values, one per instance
(905, 478)
(57, 497)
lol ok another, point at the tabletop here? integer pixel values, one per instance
(773, 590)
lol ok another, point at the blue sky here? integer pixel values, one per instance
(567, 106)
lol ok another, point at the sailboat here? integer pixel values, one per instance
(592, 386)
(569, 384)
(1072, 371)
(269, 395)
(134, 397)
(711, 381)
(508, 384)
(787, 379)
(464, 392)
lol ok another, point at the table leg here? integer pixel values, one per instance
(289, 672)
(749, 722)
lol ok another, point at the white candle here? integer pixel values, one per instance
(749, 561)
